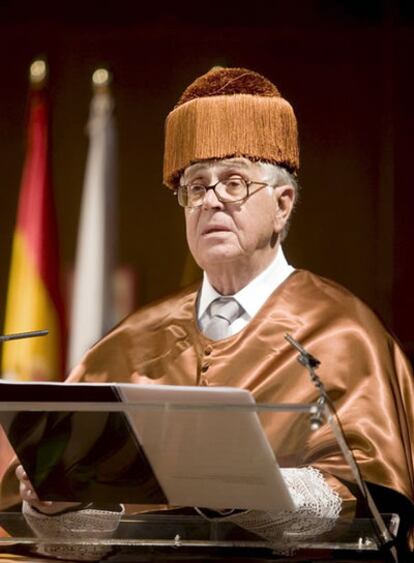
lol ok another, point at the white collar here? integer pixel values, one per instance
(255, 293)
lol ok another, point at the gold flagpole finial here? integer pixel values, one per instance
(38, 73)
(101, 79)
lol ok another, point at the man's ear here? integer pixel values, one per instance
(285, 200)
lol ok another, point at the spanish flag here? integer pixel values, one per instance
(34, 300)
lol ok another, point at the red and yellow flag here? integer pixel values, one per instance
(34, 299)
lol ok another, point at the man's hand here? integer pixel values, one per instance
(28, 495)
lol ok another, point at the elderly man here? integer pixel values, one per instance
(231, 157)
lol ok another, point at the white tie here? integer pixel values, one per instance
(223, 311)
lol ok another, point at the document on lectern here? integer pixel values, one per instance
(182, 446)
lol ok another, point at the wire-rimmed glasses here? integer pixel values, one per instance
(231, 190)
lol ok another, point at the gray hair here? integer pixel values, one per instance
(280, 176)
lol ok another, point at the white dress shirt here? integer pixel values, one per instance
(251, 297)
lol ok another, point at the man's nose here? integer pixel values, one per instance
(211, 200)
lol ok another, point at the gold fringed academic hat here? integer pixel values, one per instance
(230, 112)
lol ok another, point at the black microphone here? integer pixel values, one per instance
(19, 335)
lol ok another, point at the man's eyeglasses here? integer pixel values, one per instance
(233, 190)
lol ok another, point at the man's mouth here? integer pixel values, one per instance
(215, 229)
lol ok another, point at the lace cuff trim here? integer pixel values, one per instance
(80, 525)
(317, 507)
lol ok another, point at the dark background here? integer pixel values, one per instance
(345, 66)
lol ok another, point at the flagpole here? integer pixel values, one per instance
(38, 72)
(101, 80)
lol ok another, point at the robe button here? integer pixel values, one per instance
(204, 368)
(208, 350)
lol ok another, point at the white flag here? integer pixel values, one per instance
(92, 312)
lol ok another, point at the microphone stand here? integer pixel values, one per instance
(327, 412)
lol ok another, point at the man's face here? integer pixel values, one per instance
(220, 233)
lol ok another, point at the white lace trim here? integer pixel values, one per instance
(80, 525)
(317, 507)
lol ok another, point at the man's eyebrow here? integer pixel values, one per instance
(196, 173)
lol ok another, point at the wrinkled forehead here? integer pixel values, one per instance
(235, 164)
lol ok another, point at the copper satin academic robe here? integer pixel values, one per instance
(363, 369)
